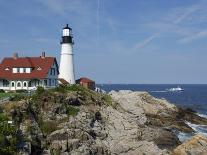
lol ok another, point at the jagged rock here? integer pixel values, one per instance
(134, 123)
(197, 145)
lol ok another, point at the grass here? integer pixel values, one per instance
(64, 89)
(47, 127)
(72, 111)
(107, 98)
(3, 95)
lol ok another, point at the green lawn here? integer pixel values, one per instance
(2, 95)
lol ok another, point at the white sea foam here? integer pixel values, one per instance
(184, 136)
(198, 129)
(201, 129)
(202, 115)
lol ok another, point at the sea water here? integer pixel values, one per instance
(193, 96)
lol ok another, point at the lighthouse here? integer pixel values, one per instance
(66, 60)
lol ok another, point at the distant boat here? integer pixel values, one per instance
(177, 89)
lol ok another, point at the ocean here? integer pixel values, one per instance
(194, 96)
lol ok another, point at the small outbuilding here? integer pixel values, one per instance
(87, 83)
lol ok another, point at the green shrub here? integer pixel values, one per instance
(107, 98)
(75, 87)
(2, 91)
(61, 89)
(40, 90)
(72, 111)
(18, 97)
(8, 137)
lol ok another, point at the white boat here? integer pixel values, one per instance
(178, 88)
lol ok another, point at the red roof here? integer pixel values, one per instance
(84, 80)
(26, 62)
(63, 81)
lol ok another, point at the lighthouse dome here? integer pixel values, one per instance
(67, 27)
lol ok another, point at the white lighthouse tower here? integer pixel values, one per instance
(66, 60)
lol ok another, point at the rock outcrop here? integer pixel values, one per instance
(84, 122)
(197, 145)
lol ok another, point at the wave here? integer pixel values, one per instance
(198, 129)
(202, 129)
(202, 115)
(182, 136)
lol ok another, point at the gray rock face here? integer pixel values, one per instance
(133, 123)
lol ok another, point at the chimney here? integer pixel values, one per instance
(43, 54)
(15, 55)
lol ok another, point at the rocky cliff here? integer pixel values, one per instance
(82, 122)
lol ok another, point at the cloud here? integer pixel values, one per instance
(181, 22)
(196, 36)
(187, 12)
(146, 41)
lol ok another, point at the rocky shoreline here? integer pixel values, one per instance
(84, 122)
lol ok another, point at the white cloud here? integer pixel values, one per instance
(146, 41)
(187, 12)
(196, 36)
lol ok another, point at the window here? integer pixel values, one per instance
(52, 71)
(45, 81)
(12, 84)
(6, 69)
(24, 70)
(49, 82)
(18, 84)
(18, 70)
(25, 84)
(5, 83)
(30, 84)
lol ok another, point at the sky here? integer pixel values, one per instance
(116, 41)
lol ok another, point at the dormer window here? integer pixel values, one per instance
(6, 69)
(39, 68)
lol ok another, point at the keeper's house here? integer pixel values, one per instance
(17, 73)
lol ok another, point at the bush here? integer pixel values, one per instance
(40, 90)
(75, 87)
(17, 97)
(61, 89)
(8, 137)
(107, 98)
(72, 111)
(2, 91)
